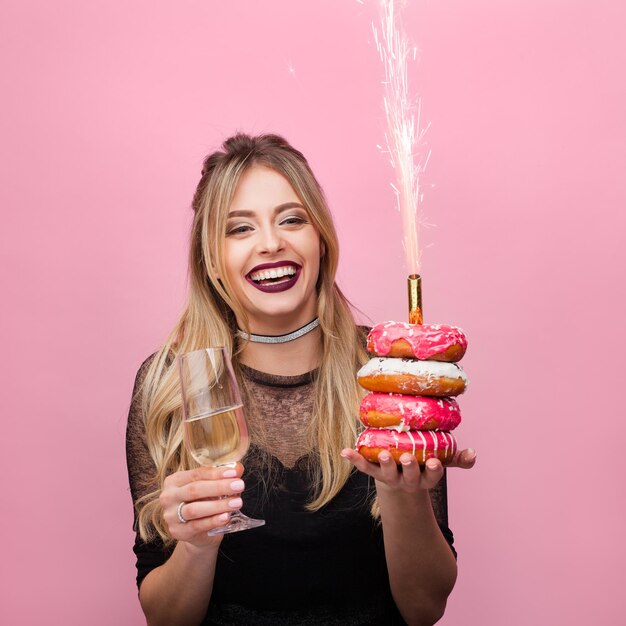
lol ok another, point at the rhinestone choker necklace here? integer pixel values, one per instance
(280, 338)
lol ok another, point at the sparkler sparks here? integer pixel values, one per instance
(404, 136)
(292, 72)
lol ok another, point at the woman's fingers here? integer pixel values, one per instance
(199, 500)
(360, 462)
(389, 473)
(203, 489)
(194, 530)
(432, 474)
(411, 478)
(411, 472)
(196, 509)
(201, 483)
(201, 527)
(464, 459)
(179, 479)
(375, 470)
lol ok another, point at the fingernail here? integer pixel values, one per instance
(229, 473)
(384, 458)
(432, 465)
(223, 517)
(344, 455)
(237, 485)
(235, 503)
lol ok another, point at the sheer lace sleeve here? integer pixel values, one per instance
(439, 500)
(141, 476)
(141, 468)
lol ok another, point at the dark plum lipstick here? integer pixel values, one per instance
(286, 282)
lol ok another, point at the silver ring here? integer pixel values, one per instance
(179, 512)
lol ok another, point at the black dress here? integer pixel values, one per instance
(324, 567)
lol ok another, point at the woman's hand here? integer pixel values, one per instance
(208, 496)
(411, 479)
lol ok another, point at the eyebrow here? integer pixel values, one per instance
(279, 209)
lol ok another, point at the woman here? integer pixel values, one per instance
(345, 541)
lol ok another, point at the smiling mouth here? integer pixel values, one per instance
(273, 279)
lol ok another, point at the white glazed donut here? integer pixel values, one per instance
(407, 376)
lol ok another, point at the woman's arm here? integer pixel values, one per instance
(178, 592)
(421, 565)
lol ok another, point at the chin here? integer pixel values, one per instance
(286, 314)
(287, 310)
(288, 317)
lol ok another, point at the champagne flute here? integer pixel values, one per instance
(215, 429)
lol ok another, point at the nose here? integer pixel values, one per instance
(270, 241)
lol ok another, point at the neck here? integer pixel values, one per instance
(285, 359)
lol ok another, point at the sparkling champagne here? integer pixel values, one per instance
(218, 437)
(215, 431)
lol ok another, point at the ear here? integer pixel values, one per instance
(322, 248)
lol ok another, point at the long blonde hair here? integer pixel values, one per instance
(209, 319)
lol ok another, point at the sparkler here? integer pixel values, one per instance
(405, 140)
(416, 315)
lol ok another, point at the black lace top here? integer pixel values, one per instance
(325, 567)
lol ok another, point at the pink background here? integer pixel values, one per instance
(108, 109)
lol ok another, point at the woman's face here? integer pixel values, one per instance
(272, 253)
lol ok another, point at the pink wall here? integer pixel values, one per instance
(108, 108)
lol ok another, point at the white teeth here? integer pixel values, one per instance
(278, 272)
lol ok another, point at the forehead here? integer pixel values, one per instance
(262, 189)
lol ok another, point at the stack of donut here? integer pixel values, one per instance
(411, 379)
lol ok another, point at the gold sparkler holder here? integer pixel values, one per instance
(415, 299)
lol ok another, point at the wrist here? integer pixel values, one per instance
(390, 496)
(199, 552)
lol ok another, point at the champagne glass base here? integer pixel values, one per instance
(238, 521)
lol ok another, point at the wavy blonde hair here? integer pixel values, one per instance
(209, 319)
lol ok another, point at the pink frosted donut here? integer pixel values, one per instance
(425, 342)
(427, 444)
(402, 413)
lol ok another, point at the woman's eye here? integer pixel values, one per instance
(293, 220)
(238, 230)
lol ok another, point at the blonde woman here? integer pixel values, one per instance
(345, 541)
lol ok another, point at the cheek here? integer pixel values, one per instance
(232, 260)
(314, 255)
(312, 245)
